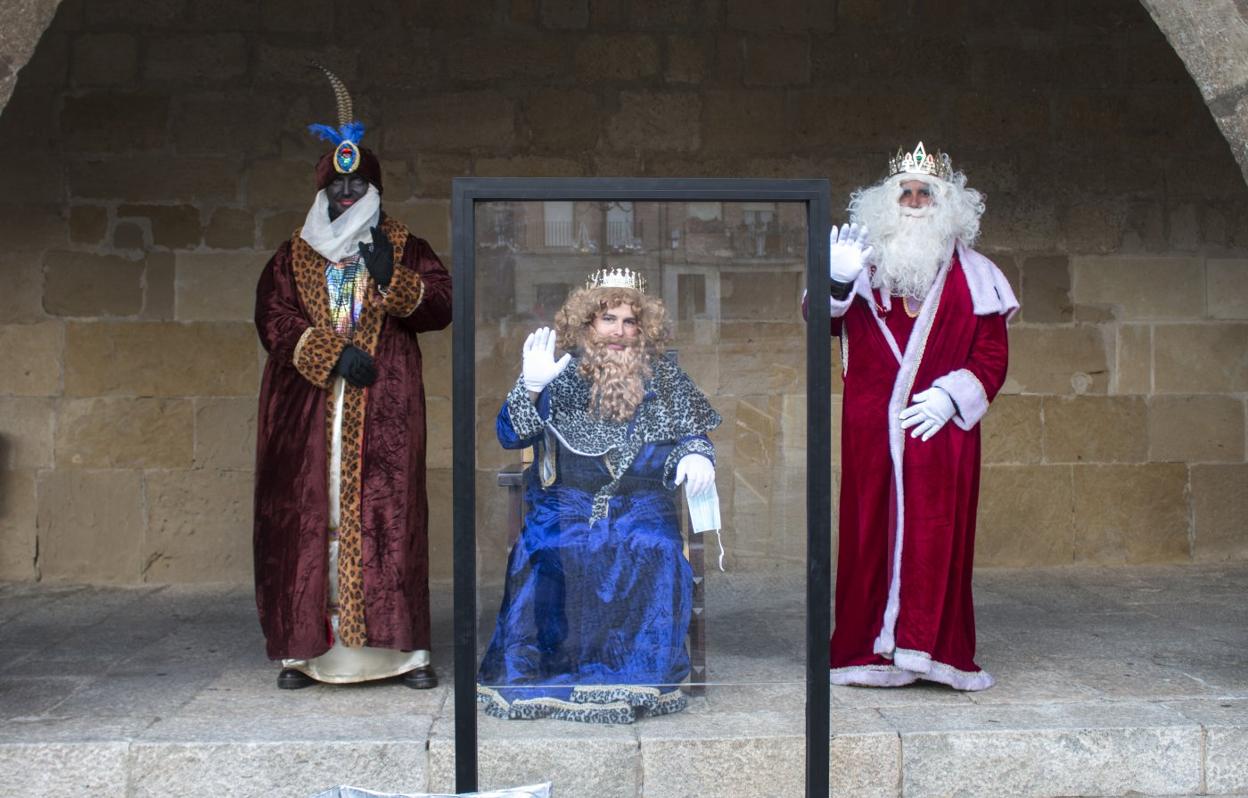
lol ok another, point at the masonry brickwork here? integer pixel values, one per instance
(157, 155)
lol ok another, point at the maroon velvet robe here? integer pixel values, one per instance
(903, 581)
(387, 500)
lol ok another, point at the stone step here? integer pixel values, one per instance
(1111, 682)
(224, 746)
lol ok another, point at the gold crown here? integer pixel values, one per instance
(920, 162)
(619, 277)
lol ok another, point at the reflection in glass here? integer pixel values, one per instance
(595, 606)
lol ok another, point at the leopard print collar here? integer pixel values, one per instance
(673, 408)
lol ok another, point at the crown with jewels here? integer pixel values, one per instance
(921, 162)
(619, 277)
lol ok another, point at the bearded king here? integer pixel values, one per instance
(598, 596)
(921, 318)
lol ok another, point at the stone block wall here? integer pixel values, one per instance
(157, 155)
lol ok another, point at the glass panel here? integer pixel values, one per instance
(598, 600)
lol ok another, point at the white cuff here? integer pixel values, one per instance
(968, 394)
(861, 287)
(839, 307)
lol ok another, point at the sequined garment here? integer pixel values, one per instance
(346, 282)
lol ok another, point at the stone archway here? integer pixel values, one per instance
(1210, 37)
(24, 23)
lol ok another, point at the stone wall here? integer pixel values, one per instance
(157, 155)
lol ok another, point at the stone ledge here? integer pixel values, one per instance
(1109, 681)
(1032, 750)
(1046, 750)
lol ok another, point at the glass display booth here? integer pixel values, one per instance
(642, 463)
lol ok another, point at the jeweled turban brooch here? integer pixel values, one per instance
(346, 137)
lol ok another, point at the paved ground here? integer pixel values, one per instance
(1111, 681)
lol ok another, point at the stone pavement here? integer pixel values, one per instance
(1111, 682)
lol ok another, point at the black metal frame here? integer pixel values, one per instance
(466, 192)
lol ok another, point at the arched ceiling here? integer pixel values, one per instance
(24, 22)
(1211, 37)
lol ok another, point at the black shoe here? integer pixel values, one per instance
(421, 678)
(291, 679)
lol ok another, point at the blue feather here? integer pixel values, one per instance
(353, 131)
(325, 132)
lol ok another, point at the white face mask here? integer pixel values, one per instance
(341, 238)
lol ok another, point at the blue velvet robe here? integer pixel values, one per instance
(598, 594)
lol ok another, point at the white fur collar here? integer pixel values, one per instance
(990, 291)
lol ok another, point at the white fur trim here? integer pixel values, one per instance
(844, 352)
(990, 291)
(911, 666)
(872, 676)
(862, 288)
(902, 388)
(968, 394)
(921, 664)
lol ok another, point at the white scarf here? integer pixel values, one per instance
(341, 238)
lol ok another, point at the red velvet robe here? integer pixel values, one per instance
(903, 581)
(386, 500)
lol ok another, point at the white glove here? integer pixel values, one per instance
(847, 252)
(540, 366)
(930, 411)
(699, 472)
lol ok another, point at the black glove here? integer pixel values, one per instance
(840, 290)
(357, 367)
(379, 258)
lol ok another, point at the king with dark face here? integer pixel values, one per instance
(340, 467)
(344, 191)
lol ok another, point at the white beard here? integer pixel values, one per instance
(913, 244)
(909, 252)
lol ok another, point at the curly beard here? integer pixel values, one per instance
(617, 378)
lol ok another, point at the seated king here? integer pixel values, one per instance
(598, 591)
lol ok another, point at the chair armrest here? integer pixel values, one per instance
(511, 475)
